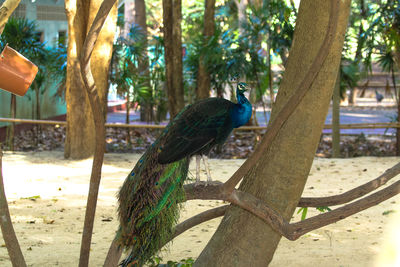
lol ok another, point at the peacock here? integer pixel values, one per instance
(379, 97)
(150, 196)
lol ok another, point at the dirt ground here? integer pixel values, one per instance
(47, 198)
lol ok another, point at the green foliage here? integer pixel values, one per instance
(238, 52)
(387, 61)
(124, 71)
(387, 212)
(130, 81)
(21, 34)
(304, 211)
(349, 76)
(323, 209)
(156, 262)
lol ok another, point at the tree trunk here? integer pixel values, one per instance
(279, 178)
(203, 77)
(398, 115)
(270, 76)
(127, 117)
(173, 55)
(242, 18)
(38, 127)
(80, 135)
(10, 239)
(37, 92)
(11, 127)
(397, 94)
(360, 45)
(336, 119)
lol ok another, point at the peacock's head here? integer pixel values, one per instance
(242, 87)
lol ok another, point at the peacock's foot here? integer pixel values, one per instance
(205, 161)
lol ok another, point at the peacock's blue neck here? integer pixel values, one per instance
(241, 112)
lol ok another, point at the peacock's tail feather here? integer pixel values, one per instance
(149, 205)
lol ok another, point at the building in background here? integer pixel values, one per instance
(52, 25)
(49, 16)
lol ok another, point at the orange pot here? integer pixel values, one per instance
(16, 72)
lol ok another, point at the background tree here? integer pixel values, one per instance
(80, 140)
(157, 79)
(276, 179)
(146, 104)
(203, 76)
(172, 17)
(389, 50)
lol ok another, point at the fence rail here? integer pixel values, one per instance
(381, 125)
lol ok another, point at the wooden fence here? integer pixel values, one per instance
(381, 125)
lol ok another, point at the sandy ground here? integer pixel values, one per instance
(47, 197)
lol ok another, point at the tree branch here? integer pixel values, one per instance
(98, 116)
(6, 9)
(351, 194)
(204, 190)
(7, 229)
(275, 125)
(113, 255)
(300, 228)
(214, 191)
(198, 219)
(295, 230)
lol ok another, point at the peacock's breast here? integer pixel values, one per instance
(240, 115)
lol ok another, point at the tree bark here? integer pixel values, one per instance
(11, 127)
(6, 9)
(80, 134)
(173, 55)
(97, 108)
(203, 77)
(279, 177)
(336, 119)
(7, 229)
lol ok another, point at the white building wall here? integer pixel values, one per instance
(49, 16)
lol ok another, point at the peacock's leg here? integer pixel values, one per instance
(207, 168)
(198, 158)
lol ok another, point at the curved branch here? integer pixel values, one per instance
(204, 190)
(198, 219)
(275, 125)
(295, 230)
(353, 193)
(97, 111)
(113, 255)
(213, 190)
(300, 228)
(7, 229)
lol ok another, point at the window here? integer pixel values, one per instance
(62, 38)
(50, 13)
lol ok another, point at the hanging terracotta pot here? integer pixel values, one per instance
(16, 72)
